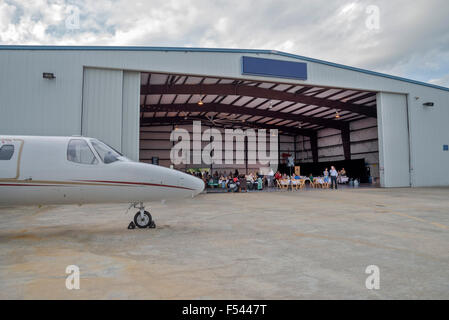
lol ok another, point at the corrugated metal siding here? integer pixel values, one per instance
(102, 106)
(394, 154)
(130, 116)
(429, 131)
(32, 105)
(219, 64)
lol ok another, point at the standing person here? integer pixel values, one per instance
(334, 175)
(326, 175)
(270, 178)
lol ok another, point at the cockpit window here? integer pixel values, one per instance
(6, 152)
(106, 153)
(79, 151)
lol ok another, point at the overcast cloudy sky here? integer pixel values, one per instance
(405, 38)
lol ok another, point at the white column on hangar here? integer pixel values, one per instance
(130, 114)
(111, 108)
(393, 131)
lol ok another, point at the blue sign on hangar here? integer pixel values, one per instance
(274, 68)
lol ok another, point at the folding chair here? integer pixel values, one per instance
(284, 184)
(311, 183)
(278, 184)
(295, 184)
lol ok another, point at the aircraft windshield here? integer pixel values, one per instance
(106, 153)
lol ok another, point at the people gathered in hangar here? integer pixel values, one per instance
(256, 181)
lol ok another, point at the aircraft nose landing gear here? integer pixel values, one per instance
(142, 219)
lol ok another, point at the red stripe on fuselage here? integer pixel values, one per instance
(98, 181)
(31, 185)
(139, 183)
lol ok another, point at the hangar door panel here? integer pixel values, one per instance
(131, 109)
(102, 105)
(394, 155)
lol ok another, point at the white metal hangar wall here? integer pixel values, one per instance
(411, 116)
(110, 108)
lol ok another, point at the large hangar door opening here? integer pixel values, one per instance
(111, 108)
(318, 125)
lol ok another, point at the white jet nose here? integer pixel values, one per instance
(194, 183)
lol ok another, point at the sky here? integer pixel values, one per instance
(403, 38)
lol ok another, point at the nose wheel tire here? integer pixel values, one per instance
(143, 221)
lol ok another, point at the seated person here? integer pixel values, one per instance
(255, 181)
(222, 181)
(242, 183)
(277, 177)
(232, 186)
(248, 181)
(259, 183)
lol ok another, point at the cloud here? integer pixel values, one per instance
(441, 81)
(404, 38)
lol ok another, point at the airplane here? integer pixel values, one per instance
(39, 170)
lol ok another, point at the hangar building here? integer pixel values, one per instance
(133, 97)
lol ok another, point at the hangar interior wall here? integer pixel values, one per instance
(364, 145)
(155, 142)
(111, 108)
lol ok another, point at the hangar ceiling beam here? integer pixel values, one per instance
(182, 120)
(252, 91)
(227, 108)
(362, 97)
